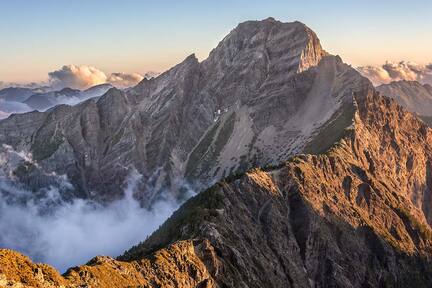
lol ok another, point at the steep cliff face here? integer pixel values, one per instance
(354, 216)
(261, 95)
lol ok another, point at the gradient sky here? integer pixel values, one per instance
(139, 36)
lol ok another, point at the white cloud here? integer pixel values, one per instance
(84, 76)
(124, 80)
(397, 71)
(77, 77)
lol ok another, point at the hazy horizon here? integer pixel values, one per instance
(114, 37)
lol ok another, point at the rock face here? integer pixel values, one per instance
(354, 216)
(263, 94)
(412, 95)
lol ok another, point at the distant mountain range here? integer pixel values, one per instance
(309, 176)
(414, 96)
(38, 99)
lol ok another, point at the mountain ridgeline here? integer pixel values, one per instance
(315, 179)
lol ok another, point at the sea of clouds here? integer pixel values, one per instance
(403, 70)
(64, 233)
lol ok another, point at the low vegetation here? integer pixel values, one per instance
(183, 224)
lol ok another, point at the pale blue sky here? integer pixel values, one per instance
(138, 36)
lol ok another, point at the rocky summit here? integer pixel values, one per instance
(315, 179)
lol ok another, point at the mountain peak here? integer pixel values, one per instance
(292, 47)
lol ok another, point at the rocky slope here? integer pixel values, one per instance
(357, 215)
(414, 96)
(261, 96)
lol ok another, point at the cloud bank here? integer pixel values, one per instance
(397, 71)
(84, 76)
(76, 77)
(69, 233)
(74, 232)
